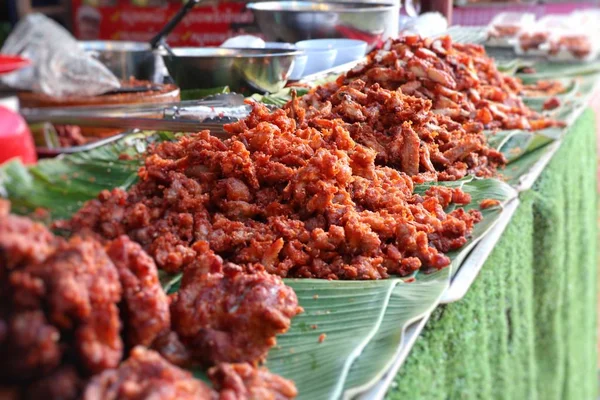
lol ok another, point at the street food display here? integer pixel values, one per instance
(358, 179)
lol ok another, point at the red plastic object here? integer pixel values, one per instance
(12, 63)
(15, 138)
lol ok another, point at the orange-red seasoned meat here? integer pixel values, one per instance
(145, 375)
(245, 382)
(145, 305)
(231, 316)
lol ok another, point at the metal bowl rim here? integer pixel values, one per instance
(213, 52)
(352, 7)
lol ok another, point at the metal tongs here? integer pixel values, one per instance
(185, 116)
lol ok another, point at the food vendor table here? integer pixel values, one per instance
(526, 329)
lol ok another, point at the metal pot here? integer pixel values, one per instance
(292, 21)
(127, 59)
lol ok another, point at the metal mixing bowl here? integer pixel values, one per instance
(243, 70)
(292, 21)
(127, 59)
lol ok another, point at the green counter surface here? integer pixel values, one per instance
(526, 329)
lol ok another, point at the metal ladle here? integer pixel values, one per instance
(159, 40)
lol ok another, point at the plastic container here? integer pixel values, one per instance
(562, 38)
(572, 45)
(535, 40)
(15, 137)
(348, 50)
(319, 57)
(505, 27)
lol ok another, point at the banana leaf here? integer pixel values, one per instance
(61, 185)
(411, 301)
(280, 98)
(549, 70)
(195, 94)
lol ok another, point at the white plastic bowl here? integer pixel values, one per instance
(348, 50)
(318, 59)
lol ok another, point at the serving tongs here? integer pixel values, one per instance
(185, 116)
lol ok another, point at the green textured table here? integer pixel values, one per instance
(527, 327)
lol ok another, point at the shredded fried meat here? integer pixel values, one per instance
(402, 130)
(302, 200)
(462, 82)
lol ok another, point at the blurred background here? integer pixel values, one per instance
(213, 22)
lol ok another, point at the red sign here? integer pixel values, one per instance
(203, 26)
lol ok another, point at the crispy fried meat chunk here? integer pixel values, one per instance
(22, 241)
(145, 305)
(231, 316)
(245, 382)
(145, 375)
(64, 383)
(298, 196)
(29, 345)
(83, 290)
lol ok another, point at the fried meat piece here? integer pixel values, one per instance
(59, 321)
(22, 241)
(172, 349)
(83, 291)
(145, 307)
(145, 375)
(64, 383)
(100, 218)
(245, 382)
(231, 316)
(29, 345)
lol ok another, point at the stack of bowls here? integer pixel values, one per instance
(323, 54)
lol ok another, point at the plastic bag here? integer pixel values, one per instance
(60, 68)
(427, 24)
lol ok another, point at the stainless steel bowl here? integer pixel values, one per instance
(292, 21)
(243, 70)
(127, 59)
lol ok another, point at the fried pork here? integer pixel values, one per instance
(225, 315)
(301, 199)
(245, 382)
(461, 81)
(145, 305)
(402, 130)
(59, 310)
(145, 375)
